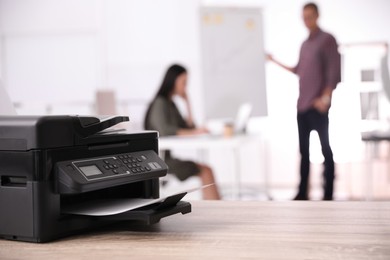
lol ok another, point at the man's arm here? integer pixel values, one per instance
(270, 58)
(332, 75)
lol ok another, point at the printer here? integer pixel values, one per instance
(50, 163)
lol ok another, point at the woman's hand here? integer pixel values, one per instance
(184, 96)
(189, 119)
(199, 131)
(195, 131)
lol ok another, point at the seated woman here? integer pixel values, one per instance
(164, 117)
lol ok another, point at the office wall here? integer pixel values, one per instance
(132, 42)
(135, 40)
(120, 45)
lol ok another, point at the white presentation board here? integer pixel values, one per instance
(232, 60)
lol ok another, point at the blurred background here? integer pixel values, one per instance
(102, 57)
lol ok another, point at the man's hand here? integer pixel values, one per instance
(322, 104)
(269, 57)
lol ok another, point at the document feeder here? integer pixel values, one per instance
(49, 163)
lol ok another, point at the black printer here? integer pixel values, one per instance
(49, 163)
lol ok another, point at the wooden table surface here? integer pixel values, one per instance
(234, 230)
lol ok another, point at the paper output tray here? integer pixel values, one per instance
(150, 215)
(153, 213)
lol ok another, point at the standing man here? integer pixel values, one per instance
(318, 70)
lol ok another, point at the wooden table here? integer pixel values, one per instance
(234, 230)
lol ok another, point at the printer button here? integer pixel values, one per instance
(133, 170)
(115, 171)
(106, 161)
(111, 166)
(139, 160)
(115, 166)
(120, 157)
(106, 167)
(148, 168)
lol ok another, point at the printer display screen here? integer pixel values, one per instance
(90, 170)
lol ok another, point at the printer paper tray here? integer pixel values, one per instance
(151, 214)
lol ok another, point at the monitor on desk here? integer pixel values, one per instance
(6, 106)
(239, 124)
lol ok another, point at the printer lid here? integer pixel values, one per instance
(39, 132)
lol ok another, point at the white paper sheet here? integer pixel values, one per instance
(107, 207)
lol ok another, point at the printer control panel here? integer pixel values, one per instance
(131, 163)
(118, 168)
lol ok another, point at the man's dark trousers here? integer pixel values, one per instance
(308, 121)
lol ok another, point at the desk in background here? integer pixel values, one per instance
(204, 143)
(234, 230)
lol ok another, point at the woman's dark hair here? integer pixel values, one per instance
(167, 86)
(169, 80)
